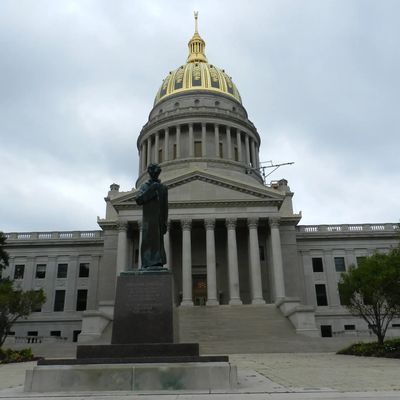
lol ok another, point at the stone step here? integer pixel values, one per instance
(240, 329)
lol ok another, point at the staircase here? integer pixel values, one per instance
(244, 329)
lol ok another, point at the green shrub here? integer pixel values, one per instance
(12, 356)
(390, 348)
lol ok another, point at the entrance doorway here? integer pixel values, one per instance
(199, 290)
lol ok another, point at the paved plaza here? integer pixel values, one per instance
(261, 376)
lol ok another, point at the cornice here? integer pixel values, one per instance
(131, 205)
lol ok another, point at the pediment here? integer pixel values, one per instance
(199, 186)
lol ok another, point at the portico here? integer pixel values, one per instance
(228, 273)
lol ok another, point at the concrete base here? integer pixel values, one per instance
(132, 377)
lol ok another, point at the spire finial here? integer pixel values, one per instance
(196, 44)
(196, 16)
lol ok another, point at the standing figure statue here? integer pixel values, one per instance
(153, 196)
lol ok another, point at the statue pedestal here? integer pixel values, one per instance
(143, 355)
(143, 310)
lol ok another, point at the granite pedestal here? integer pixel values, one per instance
(142, 355)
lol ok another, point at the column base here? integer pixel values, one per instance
(235, 302)
(212, 302)
(186, 303)
(258, 301)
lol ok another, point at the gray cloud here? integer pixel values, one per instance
(319, 80)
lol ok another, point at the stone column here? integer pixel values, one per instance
(140, 244)
(239, 144)
(212, 299)
(48, 284)
(167, 246)
(246, 142)
(92, 284)
(233, 268)
(258, 156)
(229, 142)
(187, 298)
(72, 283)
(191, 141)
(203, 139)
(166, 144)
(254, 261)
(122, 247)
(141, 158)
(277, 263)
(156, 148)
(178, 141)
(216, 133)
(148, 151)
(253, 153)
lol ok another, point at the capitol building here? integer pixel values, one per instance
(245, 270)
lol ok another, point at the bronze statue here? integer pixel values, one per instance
(153, 196)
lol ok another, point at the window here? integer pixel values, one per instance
(395, 325)
(19, 271)
(360, 259)
(55, 333)
(197, 149)
(221, 150)
(83, 270)
(81, 300)
(317, 265)
(236, 153)
(174, 153)
(75, 335)
(326, 330)
(160, 156)
(59, 300)
(320, 291)
(32, 333)
(40, 271)
(349, 327)
(340, 265)
(62, 271)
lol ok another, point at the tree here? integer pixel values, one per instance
(14, 302)
(3, 253)
(372, 291)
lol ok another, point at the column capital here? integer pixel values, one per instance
(140, 224)
(252, 222)
(186, 224)
(209, 223)
(274, 222)
(231, 223)
(122, 225)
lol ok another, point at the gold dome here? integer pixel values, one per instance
(197, 74)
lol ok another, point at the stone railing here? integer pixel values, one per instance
(54, 235)
(39, 339)
(348, 228)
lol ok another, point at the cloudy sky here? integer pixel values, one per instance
(320, 80)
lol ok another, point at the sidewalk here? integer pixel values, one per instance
(261, 376)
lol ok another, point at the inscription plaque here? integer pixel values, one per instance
(143, 311)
